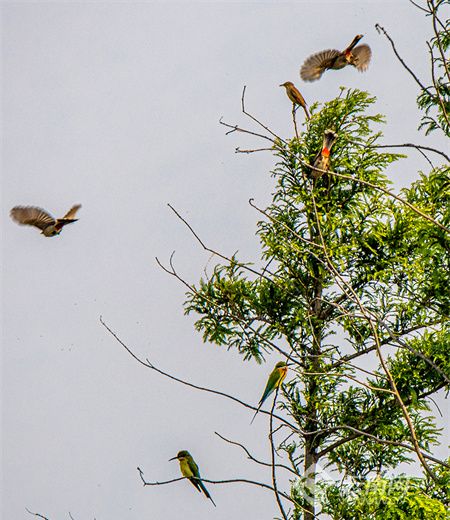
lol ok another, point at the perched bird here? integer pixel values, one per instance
(276, 377)
(49, 226)
(189, 469)
(317, 64)
(322, 160)
(294, 95)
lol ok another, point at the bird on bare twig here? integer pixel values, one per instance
(49, 226)
(314, 66)
(295, 96)
(189, 469)
(276, 377)
(322, 160)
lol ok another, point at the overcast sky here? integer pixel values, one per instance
(116, 106)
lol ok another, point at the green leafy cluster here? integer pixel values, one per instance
(400, 498)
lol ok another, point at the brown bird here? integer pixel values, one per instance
(322, 160)
(314, 66)
(294, 95)
(49, 226)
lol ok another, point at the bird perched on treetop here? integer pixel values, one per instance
(294, 95)
(322, 160)
(276, 377)
(189, 469)
(49, 226)
(317, 64)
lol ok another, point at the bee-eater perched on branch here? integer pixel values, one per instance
(49, 226)
(276, 377)
(189, 469)
(317, 64)
(294, 95)
(322, 160)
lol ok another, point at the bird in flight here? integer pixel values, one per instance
(322, 160)
(189, 469)
(358, 56)
(295, 96)
(49, 226)
(276, 377)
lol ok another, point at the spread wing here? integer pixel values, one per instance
(32, 216)
(362, 55)
(70, 215)
(314, 66)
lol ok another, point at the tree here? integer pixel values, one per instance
(349, 274)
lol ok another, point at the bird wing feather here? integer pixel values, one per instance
(70, 215)
(362, 55)
(314, 66)
(272, 383)
(32, 216)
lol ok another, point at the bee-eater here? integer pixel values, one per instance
(322, 160)
(49, 226)
(189, 469)
(294, 95)
(276, 377)
(314, 66)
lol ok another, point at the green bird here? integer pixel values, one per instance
(275, 379)
(189, 469)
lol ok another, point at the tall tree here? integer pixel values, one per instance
(353, 292)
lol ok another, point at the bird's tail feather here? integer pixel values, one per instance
(206, 492)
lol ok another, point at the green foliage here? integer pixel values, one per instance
(400, 498)
(345, 271)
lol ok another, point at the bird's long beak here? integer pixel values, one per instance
(281, 85)
(173, 458)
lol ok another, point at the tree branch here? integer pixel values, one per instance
(148, 364)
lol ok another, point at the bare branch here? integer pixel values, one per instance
(358, 433)
(253, 118)
(273, 464)
(436, 86)
(379, 28)
(225, 481)
(148, 364)
(418, 147)
(239, 150)
(252, 457)
(36, 514)
(214, 252)
(236, 128)
(385, 191)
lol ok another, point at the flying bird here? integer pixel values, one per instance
(189, 469)
(276, 377)
(322, 160)
(49, 226)
(314, 66)
(295, 96)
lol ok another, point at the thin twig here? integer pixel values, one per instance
(359, 433)
(148, 364)
(253, 118)
(236, 128)
(239, 150)
(384, 190)
(379, 28)
(418, 147)
(224, 481)
(36, 514)
(273, 464)
(252, 457)
(214, 252)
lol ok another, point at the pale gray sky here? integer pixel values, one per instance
(116, 106)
